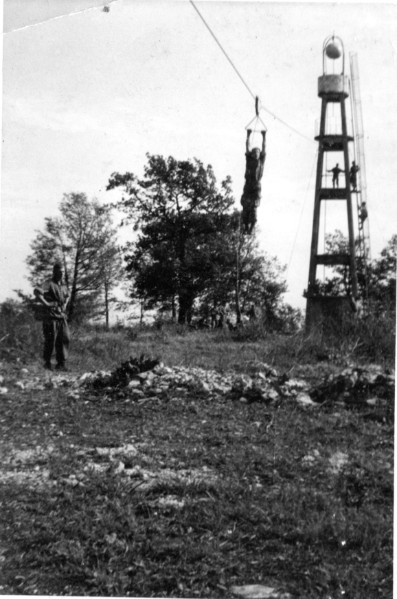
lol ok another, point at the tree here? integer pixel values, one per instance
(383, 277)
(246, 276)
(189, 250)
(182, 217)
(376, 279)
(111, 273)
(259, 279)
(83, 238)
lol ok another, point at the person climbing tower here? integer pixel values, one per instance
(363, 212)
(335, 174)
(353, 175)
(250, 200)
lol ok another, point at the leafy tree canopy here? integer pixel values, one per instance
(83, 239)
(376, 278)
(189, 248)
(181, 214)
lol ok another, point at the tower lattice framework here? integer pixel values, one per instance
(333, 89)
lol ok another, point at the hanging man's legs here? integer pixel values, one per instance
(255, 200)
(250, 202)
(245, 219)
(251, 219)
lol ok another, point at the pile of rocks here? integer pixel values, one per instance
(144, 379)
(120, 377)
(355, 386)
(163, 381)
(365, 386)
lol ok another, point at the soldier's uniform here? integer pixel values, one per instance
(251, 197)
(353, 175)
(55, 327)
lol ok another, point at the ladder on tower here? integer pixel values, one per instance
(363, 238)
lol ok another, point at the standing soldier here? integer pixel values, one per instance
(250, 200)
(53, 295)
(335, 174)
(353, 175)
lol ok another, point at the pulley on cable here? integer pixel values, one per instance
(255, 161)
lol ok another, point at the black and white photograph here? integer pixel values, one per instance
(198, 245)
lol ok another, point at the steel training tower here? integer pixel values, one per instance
(333, 149)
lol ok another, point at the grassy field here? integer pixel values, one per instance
(188, 496)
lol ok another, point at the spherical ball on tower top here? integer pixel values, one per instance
(333, 51)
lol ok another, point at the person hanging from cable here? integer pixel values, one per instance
(335, 174)
(353, 175)
(250, 200)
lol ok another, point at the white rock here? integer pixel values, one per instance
(120, 468)
(87, 376)
(102, 451)
(3, 390)
(258, 591)
(305, 400)
(372, 401)
(171, 501)
(338, 460)
(161, 370)
(200, 386)
(158, 390)
(134, 384)
(219, 388)
(143, 376)
(296, 384)
(24, 371)
(135, 471)
(242, 383)
(104, 373)
(270, 394)
(19, 385)
(129, 450)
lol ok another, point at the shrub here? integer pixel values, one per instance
(376, 336)
(20, 333)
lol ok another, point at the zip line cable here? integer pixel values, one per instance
(220, 46)
(61, 16)
(242, 79)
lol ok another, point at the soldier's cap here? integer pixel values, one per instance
(57, 265)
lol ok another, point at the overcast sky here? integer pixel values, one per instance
(90, 93)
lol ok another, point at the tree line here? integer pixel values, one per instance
(186, 254)
(376, 278)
